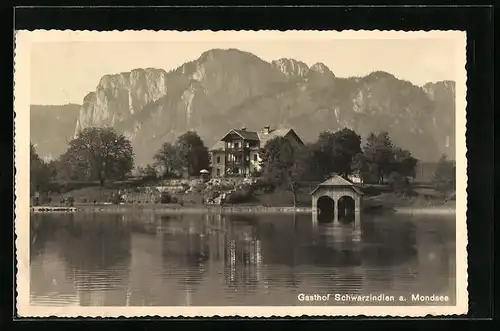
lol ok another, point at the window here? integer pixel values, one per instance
(255, 157)
(248, 144)
(218, 172)
(236, 145)
(218, 160)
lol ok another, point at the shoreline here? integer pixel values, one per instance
(175, 209)
(169, 209)
(434, 210)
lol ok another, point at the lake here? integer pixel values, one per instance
(86, 259)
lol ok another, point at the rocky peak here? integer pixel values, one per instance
(378, 75)
(436, 89)
(322, 69)
(291, 67)
(229, 75)
(121, 95)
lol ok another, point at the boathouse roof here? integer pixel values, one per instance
(337, 181)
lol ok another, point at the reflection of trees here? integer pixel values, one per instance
(96, 250)
(42, 229)
(388, 242)
(295, 243)
(240, 250)
(436, 255)
(185, 249)
(94, 243)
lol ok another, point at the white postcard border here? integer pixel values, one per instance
(23, 41)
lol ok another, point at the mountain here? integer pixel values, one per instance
(224, 89)
(51, 127)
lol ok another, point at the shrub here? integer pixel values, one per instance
(398, 183)
(69, 201)
(165, 197)
(263, 186)
(240, 196)
(115, 199)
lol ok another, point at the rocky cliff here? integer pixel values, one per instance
(223, 89)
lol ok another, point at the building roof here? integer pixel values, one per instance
(260, 136)
(247, 135)
(265, 137)
(219, 146)
(338, 181)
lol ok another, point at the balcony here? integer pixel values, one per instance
(235, 162)
(237, 149)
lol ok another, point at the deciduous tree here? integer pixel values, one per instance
(168, 158)
(404, 163)
(98, 154)
(284, 165)
(347, 144)
(445, 174)
(379, 154)
(40, 172)
(193, 153)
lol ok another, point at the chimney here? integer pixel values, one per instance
(267, 129)
(243, 129)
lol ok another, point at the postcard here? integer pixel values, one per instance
(240, 173)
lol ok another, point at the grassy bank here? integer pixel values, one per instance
(377, 199)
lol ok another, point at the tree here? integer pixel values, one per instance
(445, 174)
(381, 159)
(313, 162)
(404, 163)
(148, 172)
(347, 144)
(284, 165)
(98, 154)
(361, 166)
(379, 155)
(193, 154)
(40, 172)
(325, 147)
(336, 151)
(168, 158)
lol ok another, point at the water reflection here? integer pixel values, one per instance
(137, 260)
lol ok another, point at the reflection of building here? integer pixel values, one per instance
(237, 153)
(243, 255)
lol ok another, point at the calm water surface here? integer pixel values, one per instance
(147, 260)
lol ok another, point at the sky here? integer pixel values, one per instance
(64, 72)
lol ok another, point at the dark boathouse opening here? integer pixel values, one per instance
(326, 209)
(346, 210)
